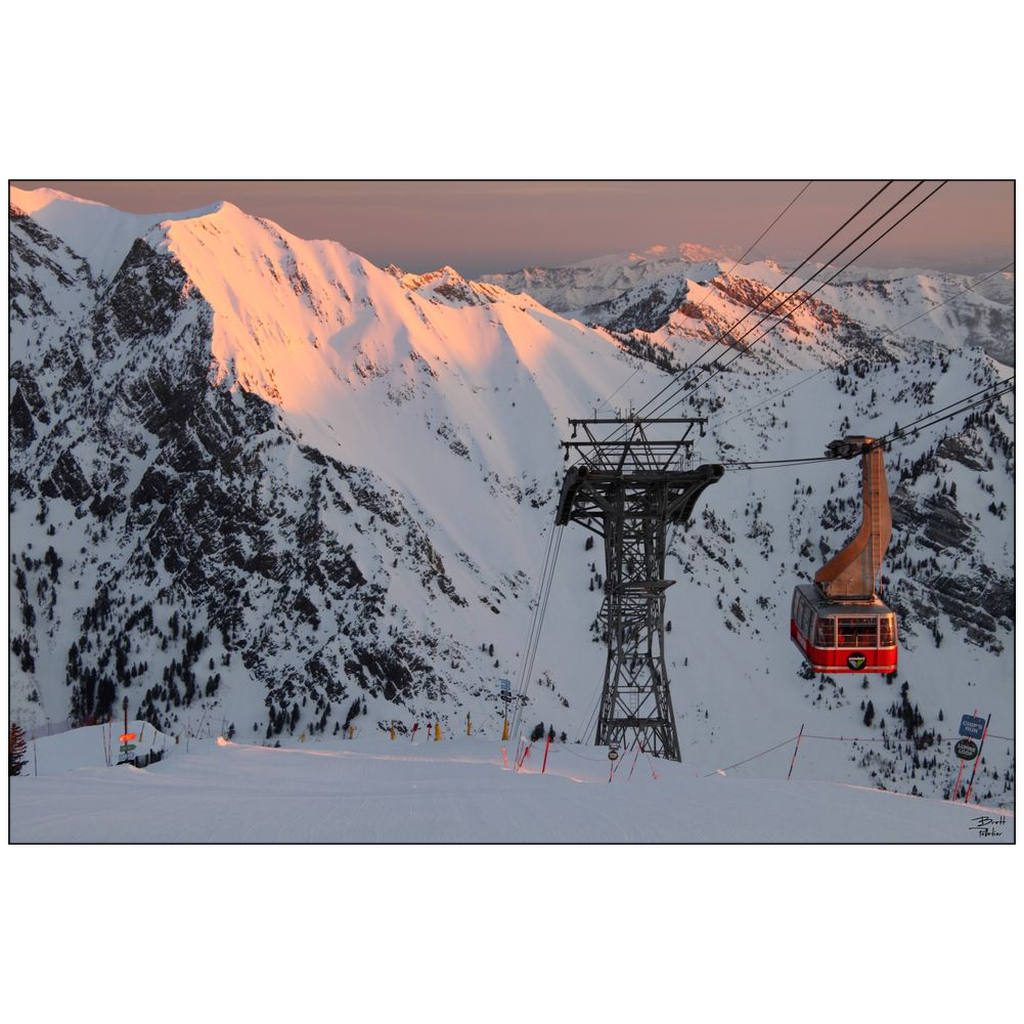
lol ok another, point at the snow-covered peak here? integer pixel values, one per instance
(687, 252)
(577, 287)
(101, 234)
(448, 287)
(31, 201)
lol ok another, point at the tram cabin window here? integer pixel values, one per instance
(825, 633)
(803, 623)
(858, 632)
(887, 631)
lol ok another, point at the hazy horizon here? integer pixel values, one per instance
(483, 227)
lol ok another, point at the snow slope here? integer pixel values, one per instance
(458, 791)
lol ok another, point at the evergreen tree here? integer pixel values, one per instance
(353, 710)
(16, 759)
(869, 714)
(538, 732)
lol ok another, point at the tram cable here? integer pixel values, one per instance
(672, 398)
(674, 382)
(717, 368)
(547, 577)
(735, 264)
(888, 332)
(925, 422)
(720, 367)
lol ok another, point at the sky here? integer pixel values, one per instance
(483, 227)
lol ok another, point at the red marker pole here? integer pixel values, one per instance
(544, 766)
(633, 765)
(981, 746)
(956, 788)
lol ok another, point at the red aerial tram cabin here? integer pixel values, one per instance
(843, 637)
(840, 624)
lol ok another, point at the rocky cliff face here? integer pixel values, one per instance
(201, 523)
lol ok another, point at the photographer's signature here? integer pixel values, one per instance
(986, 826)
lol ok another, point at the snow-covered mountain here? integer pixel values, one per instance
(687, 291)
(257, 478)
(594, 283)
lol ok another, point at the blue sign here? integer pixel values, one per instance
(972, 727)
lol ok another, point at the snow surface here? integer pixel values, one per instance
(377, 790)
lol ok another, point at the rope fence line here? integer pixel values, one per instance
(567, 748)
(754, 757)
(891, 739)
(842, 739)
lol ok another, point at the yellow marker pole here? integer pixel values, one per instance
(302, 737)
(351, 731)
(392, 732)
(469, 725)
(504, 732)
(437, 731)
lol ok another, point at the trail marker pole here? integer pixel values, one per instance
(613, 756)
(544, 766)
(795, 749)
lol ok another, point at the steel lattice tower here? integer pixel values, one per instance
(628, 489)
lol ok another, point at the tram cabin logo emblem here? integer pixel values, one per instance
(857, 661)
